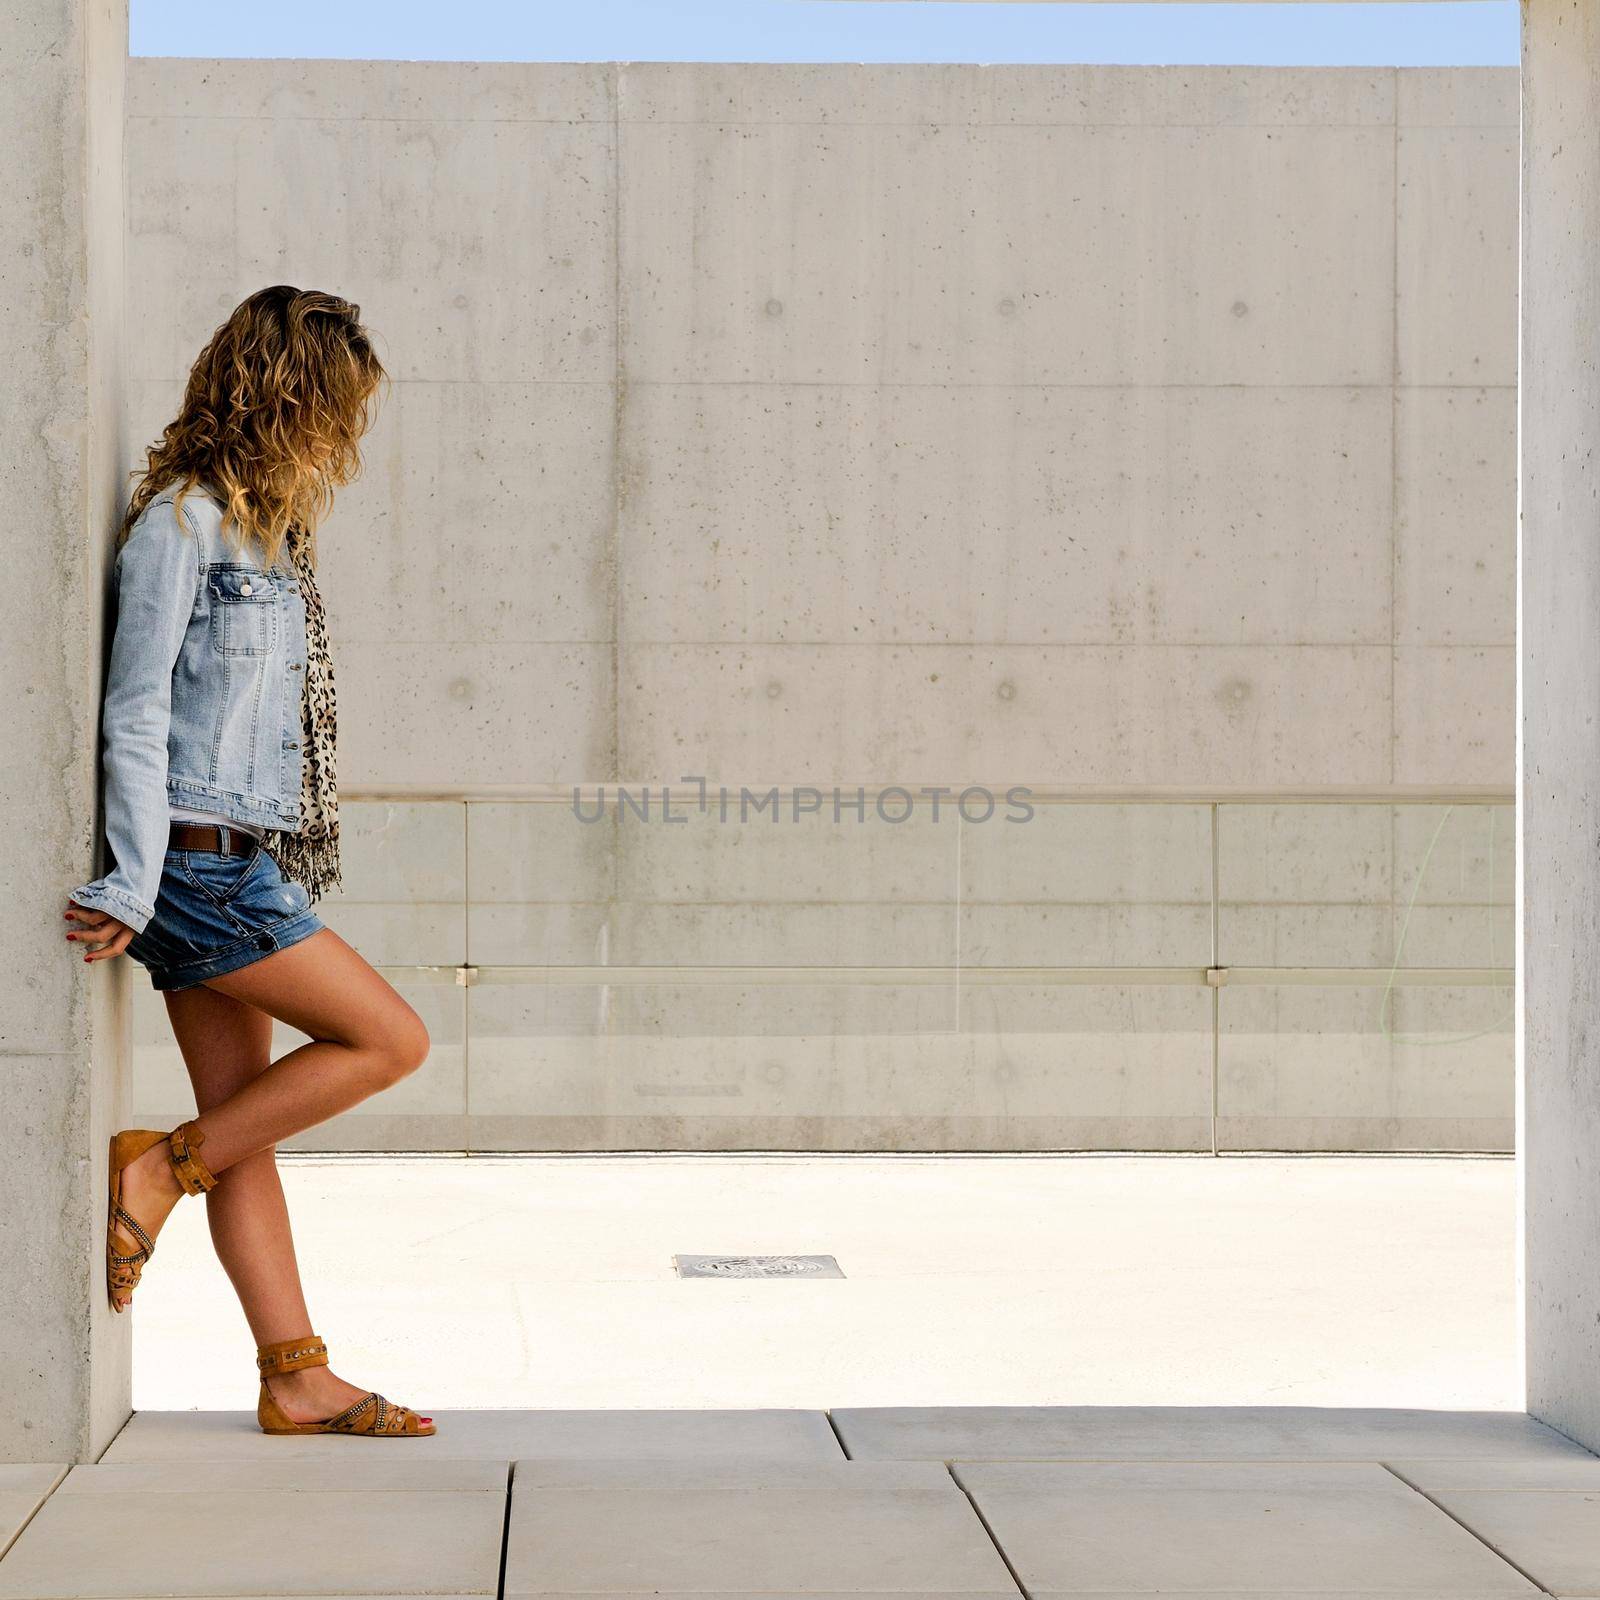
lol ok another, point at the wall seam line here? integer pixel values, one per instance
(618, 417)
(1394, 450)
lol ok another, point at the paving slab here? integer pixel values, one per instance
(127, 1533)
(697, 1475)
(376, 1471)
(1553, 1535)
(771, 1528)
(1192, 1433)
(497, 1436)
(23, 1488)
(1077, 1528)
(1564, 1473)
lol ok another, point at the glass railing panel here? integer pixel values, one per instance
(750, 888)
(1380, 1066)
(403, 897)
(859, 1065)
(799, 891)
(1455, 886)
(1088, 885)
(541, 884)
(1305, 885)
(1321, 885)
(930, 983)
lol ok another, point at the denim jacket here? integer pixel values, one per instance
(203, 694)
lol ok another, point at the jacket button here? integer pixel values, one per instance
(294, 666)
(244, 588)
(291, 744)
(264, 941)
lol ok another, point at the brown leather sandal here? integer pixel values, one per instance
(371, 1415)
(123, 1266)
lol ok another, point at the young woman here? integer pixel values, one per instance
(222, 822)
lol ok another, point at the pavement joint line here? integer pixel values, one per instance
(977, 1511)
(133, 1411)
(505, 1532)
(1487, 1544)
(844, 1449)
(22, 1527)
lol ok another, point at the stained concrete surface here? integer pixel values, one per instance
(1559, 757)
(63, 1026)
(733, 401)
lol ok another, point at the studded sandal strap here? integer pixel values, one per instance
(125, 1274)
(183, 1143)
(353, 1419)
(290, 1355)
(123, 1267)
(375, 1413)
(136, 1233)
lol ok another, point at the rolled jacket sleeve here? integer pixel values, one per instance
(157, 576)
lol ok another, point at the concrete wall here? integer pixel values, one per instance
(62, 1029)
(1125, 427)
(1559, 767)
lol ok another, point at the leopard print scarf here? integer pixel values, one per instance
(310, 855)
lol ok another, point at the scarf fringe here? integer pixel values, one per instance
(313, 863)
(310, 855)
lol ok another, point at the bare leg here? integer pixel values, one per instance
(225, 1044)
(364, 1037)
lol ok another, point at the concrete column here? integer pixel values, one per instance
(65, 1387)
(1558, 770)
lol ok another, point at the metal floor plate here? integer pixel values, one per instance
(757, 1267)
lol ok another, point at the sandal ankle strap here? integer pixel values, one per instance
(290, 1355)
(195, 1176)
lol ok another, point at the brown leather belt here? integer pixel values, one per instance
(206, 836)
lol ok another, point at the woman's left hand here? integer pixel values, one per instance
(104, 935)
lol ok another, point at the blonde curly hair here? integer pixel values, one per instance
(272, 416)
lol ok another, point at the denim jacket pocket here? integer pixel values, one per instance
(244, 610)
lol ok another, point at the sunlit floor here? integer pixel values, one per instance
(538, 1282)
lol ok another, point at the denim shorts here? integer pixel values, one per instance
(217, 913)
